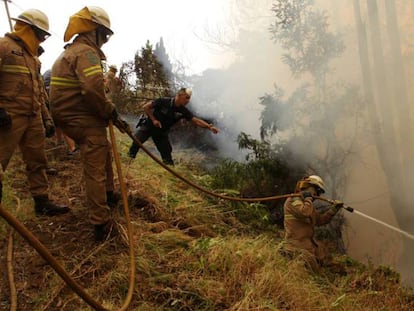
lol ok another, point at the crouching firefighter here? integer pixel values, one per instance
(21, 105)
(301, 217)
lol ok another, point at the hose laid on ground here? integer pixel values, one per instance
(78, 289)
(48, 257)
(225, 197)
(189, 182)
(127, 217)
(12, 284)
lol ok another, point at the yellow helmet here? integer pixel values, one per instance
(35, 18)
(100, 17)
(315, 180)
(312, 180)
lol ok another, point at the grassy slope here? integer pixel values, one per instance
(192, 252)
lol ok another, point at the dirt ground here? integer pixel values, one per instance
(69, 237)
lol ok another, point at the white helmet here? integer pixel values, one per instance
(100, 17)
(35, 18)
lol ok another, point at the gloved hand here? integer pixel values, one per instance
(49, 128)
(114, 115)
(122, 125)
(306, 194)
(336, 206)
(5, 120)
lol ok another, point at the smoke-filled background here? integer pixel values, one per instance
(333, 82)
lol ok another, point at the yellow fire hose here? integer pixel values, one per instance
(73, 284)
(48, 257)
(127, 217)
(225, 197)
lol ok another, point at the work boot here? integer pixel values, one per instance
(133, 150)
(112, 198)
(169, 162)
(102, 231)
(1, 190)
(45, 207)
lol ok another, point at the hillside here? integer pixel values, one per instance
(192, 252)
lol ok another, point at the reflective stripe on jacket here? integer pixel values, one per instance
(20, 85)
(77, 93)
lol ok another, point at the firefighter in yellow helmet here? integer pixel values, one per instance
(81, 109)
(21, 104)
(301, 218)
(113, 84)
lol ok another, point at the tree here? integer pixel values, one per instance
(161, 54)
(151, 77)
(317, 112)
(390, 114)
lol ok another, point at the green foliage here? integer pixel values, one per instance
(151, 76)
(303, 33)
(264, 174)
(260, 150)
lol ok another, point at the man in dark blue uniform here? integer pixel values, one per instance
(161, 115)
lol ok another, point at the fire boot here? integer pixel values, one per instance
(45, 207)
(101, 232)
(112, 198)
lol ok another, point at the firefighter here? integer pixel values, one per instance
(81, 109)
(301, 218)
(161, 115)
(112, 83)
(21, 105)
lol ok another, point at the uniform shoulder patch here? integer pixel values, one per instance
(93, 58)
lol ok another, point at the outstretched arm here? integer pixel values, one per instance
(204, 124)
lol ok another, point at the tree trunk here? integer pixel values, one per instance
(399, 87)
(390, 149)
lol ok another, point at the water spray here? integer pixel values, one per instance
(352, 210)
(404, 233)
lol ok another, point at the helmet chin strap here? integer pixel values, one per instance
(99, 42)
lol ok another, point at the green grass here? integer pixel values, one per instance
(192, 252)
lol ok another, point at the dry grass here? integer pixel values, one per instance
(191, 252)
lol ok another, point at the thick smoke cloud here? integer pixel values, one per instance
(231, 97)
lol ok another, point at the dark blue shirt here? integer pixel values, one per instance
(168, 114)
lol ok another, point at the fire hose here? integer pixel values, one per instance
(124, 128)
(51, 260)
(74, 285)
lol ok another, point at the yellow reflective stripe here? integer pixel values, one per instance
(14, 69)
(56, 81)
(289, 217)
(297, 202)
(92, 70)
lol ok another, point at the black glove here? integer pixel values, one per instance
(114, 115)
(5, 120)
(337, 205)
(306, 194)
(122, 125)
(49, 128)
